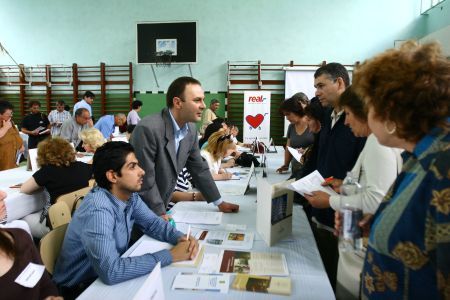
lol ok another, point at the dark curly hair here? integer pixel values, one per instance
(352, 101)
(55, 151)
(409, 86)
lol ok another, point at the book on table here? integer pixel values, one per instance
(262, 284)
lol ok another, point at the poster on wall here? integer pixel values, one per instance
(256, 116)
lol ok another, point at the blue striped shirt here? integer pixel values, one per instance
(99, 234)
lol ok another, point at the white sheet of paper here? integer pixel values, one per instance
(197, 217)
(209, 264)
(234, 227)
(295, 153)
(32, 156)
(31, 275)
(311, 183)
(213, 283)
(152, 289)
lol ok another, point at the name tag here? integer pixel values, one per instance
(31, 275)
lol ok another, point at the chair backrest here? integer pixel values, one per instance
(91, 182)
(59, 214)
(71, 198)
(50, 246)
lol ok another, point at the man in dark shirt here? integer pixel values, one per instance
(36, 125)
(338, 150)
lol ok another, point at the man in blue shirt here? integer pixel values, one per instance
(100, 230)
(107, 123)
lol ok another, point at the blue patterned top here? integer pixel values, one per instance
(408, 255)
(99, 234)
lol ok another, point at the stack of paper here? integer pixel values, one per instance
(197, 217)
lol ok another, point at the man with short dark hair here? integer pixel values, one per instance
(36, 125)
(57, 117)
(86, 102)
(167, 141)
(71, 128)
(338, 150)
(209, 114)
(100, 229)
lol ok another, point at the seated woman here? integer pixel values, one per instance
(10, 141)
(59, 174)
(215, 126)
(16, 252)
(298, 135)
(92, 139)
(376, 169)
(182, 190)
(220, 145)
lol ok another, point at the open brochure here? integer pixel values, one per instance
(152, 246)
(312, 182)
(226, 239)
(295, 153)
(254, 263)
(262, 284)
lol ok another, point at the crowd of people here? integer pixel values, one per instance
(389, 128)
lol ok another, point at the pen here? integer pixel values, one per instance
(188, 232)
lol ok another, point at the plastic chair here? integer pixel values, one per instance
(71, 198)
(59, 214)
(50, 246)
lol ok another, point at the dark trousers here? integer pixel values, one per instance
(327, 243)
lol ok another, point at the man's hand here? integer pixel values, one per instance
(228, 207)
(166, 217)
(193, 245)
(181, 251)
(318, 199)
(334, 183)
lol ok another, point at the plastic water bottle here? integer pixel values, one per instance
(350, 237)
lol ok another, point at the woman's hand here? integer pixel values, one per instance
(335, 184)
(282, 169)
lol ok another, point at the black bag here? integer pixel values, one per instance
(245, 160)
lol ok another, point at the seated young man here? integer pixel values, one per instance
(100, 229)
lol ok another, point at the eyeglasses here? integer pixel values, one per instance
(224, 137)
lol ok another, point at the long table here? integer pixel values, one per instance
(309, 279)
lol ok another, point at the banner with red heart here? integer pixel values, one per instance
(254, 121)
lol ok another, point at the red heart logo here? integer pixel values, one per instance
(254, 121)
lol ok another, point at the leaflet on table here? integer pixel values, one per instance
(254, 263)
(152, 287)
(226, 239)
(202, 282)
(262, 284)
(312, 182)
(152, 246)
(197, 217)
(295, 153)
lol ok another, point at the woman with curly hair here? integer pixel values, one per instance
(59, 174)
(220, 145)
(407, 94)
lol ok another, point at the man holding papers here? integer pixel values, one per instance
(100, 230)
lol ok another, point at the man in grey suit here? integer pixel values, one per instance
(167, 141)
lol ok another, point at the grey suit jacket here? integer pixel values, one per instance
(154, 145)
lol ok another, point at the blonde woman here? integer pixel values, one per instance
(59, 174)
(92, 139)
(220, 145)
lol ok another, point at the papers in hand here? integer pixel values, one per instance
(197, 217)
(312, 182)
(295, 153)
(214, 283)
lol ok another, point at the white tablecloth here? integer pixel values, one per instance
(309, 279)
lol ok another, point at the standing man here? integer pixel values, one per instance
(57, 117)
(86, 102)
(71, 128)
(209, 114)
(36, 125)
(167, 141)
(338, 151)
(107, 123)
